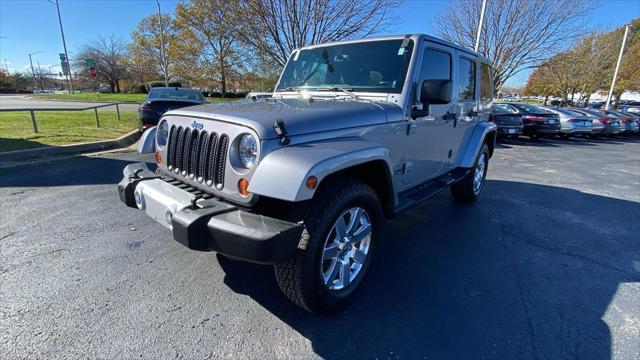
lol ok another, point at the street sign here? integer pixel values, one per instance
(63, 57)
(65, 67)
(89, 63)
(93, 72)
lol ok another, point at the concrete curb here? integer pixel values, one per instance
(121, 142)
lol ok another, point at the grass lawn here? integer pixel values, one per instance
(98, 97)
(62, 128)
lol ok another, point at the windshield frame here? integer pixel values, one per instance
(361, 91)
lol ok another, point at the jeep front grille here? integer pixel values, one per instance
(198, 155)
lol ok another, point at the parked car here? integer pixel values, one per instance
(627, 123)
(162, 99)
(570, 122)
(303, 181)
(535, 120)
(596, 105)
(600, 124)
(507, 119)
(255, 95)
(634, 117)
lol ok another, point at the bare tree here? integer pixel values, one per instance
(516, 34)
(110, 56)
(276, 27)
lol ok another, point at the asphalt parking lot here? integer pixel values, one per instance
(545, 265)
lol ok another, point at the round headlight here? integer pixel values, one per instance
(248, 151)
(163, 133)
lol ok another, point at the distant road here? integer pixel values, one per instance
(25, 101)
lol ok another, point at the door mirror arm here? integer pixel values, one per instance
(418, 113)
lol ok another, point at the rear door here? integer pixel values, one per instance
(466, 94)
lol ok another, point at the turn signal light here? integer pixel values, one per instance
(311, 182)
(158, 157)
(243, 187)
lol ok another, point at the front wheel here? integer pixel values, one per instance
(341, 233)
(469, 188)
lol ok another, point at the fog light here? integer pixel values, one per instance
(243, 187)
(168, 217)
(137, 195)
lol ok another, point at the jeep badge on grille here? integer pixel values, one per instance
(197, 125)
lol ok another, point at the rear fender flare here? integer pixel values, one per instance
(477, 138)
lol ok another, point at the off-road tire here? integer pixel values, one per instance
(463, 191)
(299, 278)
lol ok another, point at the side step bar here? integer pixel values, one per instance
(424, 191)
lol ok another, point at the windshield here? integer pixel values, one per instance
(178, 94)
(371, 66)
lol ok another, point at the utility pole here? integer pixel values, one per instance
(40, 76)
(162, 55)
(33, 73)
(484, 5)
(615, 73)
(6, 66)
(66, 54)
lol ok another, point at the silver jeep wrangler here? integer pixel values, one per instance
(355, 131)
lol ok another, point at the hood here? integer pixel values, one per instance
(299, 116)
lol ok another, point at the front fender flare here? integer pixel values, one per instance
(480, 132)
(147, 143)
(283, 172)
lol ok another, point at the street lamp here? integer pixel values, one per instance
(33, 73)
(162, 54)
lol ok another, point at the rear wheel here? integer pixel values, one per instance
(468, 189)
(342, 230)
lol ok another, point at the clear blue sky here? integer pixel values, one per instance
(32, 25)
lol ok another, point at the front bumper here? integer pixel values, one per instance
(208, 224)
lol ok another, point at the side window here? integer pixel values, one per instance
(436, 65)
(466, 79)
(486, 90)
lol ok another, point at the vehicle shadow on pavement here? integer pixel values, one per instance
(78, 171)
(518, 274)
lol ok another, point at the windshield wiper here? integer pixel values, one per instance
(341, 89)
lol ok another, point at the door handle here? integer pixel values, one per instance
(450, 116)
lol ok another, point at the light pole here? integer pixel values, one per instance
(33, 73)
(64, 44)
(615, 73)
(162, 55)
(5, 60)
(484, 4)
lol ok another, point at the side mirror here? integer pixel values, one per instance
(435, 92)
(432, 92)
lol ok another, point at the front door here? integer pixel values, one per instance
(426, 151)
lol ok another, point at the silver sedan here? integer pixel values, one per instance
(571, 123)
